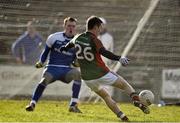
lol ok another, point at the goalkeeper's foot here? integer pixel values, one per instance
(74, 109)
(143, 107)
(30, 107)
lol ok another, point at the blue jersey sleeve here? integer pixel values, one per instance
(49, 43)
(17, 47)
(44, 54)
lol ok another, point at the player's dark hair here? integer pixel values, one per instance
(93, 21)
(71, 19)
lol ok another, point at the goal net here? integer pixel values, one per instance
(154, 54)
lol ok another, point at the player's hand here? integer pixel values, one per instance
(63, 48)
(39, 64)
(124, 61)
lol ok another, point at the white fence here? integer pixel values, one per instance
(22, 80)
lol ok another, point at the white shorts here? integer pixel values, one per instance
(97, 84)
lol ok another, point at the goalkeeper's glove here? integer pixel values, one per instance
(124, 61)
(39, 64)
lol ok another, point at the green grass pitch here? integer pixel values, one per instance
(57, 111)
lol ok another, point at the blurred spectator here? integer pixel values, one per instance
(107, 40)
(27, 48)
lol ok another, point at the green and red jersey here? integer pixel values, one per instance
(87, 52)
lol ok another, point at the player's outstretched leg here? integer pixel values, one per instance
(112, 105)
(124, 85)
(75, 96)
(35, 97)
(135, 98)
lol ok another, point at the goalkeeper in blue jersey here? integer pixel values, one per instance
(58, 66)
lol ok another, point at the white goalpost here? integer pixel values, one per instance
(138, 30)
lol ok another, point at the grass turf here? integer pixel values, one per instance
(57, 111)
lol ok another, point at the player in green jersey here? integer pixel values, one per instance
(95, 73)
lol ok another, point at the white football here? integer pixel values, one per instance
(146, 97)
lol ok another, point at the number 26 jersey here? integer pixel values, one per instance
(87, 52)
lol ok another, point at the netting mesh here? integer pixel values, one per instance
(158, 44)
(156, 48)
